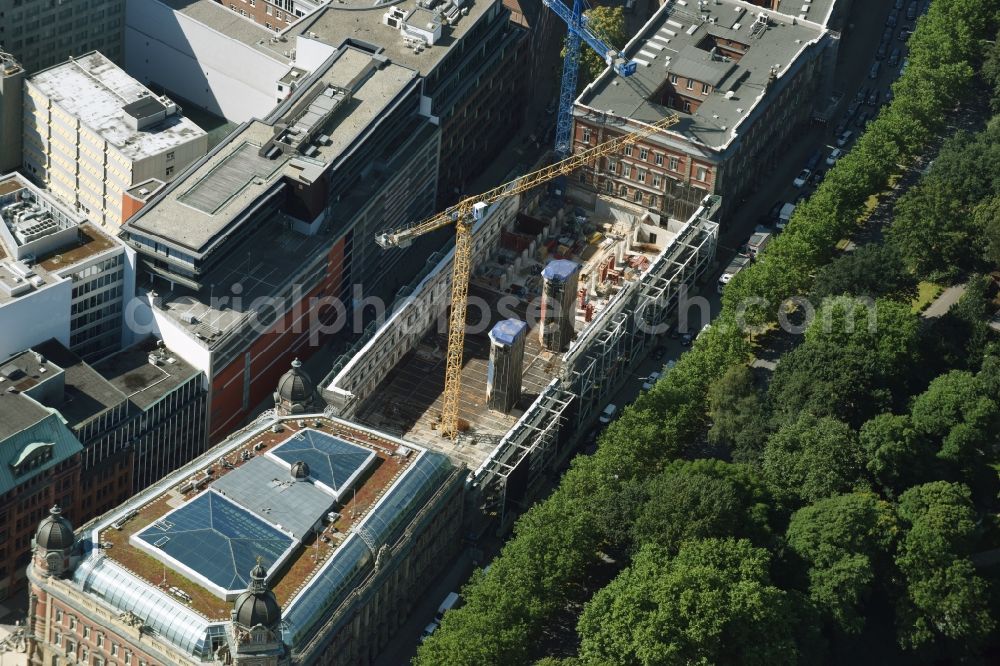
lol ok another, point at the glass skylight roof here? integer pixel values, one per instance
(217, 541)
(332, 462)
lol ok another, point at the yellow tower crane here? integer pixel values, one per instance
(463, 215)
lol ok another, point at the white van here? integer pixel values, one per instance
(608, 414)
(446, 605)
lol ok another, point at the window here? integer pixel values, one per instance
(609, 186)
(652, 201)
(702, 173)
(100, 640)
(586, 135)
(687, 107)
(72, 624)
(673, 79)
(638, 196)
(58, 615)
(612, 166)
(622, 191)
(170, 171)
(674, 163)
(704, 89)
(114, 649)
(170, 155)
(658, 159)
(656, 180)
(627, 170)
(583, 177)
(628, 151)
(642, 175)
(644, 154)
(690, 84)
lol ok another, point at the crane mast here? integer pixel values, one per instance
(577, 31)
(464, 215)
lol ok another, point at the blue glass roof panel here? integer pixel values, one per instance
(332, 461)
(217, 540)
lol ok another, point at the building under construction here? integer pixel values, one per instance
(561, 303)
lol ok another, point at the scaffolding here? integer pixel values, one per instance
(594, 367)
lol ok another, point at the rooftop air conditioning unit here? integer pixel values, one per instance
(143, 192)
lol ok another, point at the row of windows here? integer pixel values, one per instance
(689, 84)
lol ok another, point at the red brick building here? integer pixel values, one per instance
(743, 83)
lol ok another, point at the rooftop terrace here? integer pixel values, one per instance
(693, 42)
(174, 554)
(109, 102)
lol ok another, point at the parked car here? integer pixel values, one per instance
(609, 413)
(898, 5)
(873, 98)
(853, 108)
(886, 36)
(450, 601)
(911, 11)
(863, 119)
(802, 178)
(814, 160)
(428, 630)
(905, 33)
(775, 210)
(891, 20)
(817, 177)
(658, 353)
(651, 380)
(883, 50)
(687, 339)
(873, 72)
(894, 57)
(844, 138)
(834, 155)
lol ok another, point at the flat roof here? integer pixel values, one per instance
(21, 372)
(267, 490)
(142, 382)
(204, 202)
(361, 20)
(231, 24)
(86, 394)
(99, 93)
(17, 280)
(677, 40)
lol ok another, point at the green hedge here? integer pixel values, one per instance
(548, 562)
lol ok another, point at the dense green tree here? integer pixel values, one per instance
(812, 458)
(738, 414)
(955, 412)
(895, 454)
(990, 71)
(843, 540)
(987, 219)
(873, 270)
(701, 499)
(856, 361)
(945, 601)
(712, 603)
(608, 23)
(932, 232)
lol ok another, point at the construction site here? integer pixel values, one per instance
(561, 302)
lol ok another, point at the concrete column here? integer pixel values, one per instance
(558, 303)
(506, 367)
